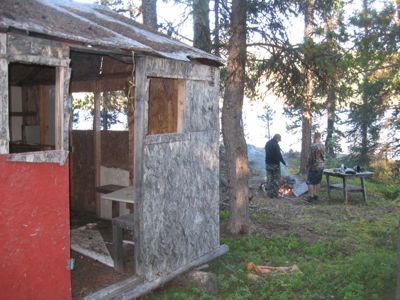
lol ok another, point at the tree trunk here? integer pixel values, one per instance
(201, 25)
(330, 129)
(398, 263)
(331, 84)
(306, 120)
(149, 8)
(364, 151)
(216, 28)
(398, 11)
(232, 126)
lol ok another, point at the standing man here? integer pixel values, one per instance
(316, 162)
(273, 158)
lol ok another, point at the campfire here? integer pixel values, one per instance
(286, 186)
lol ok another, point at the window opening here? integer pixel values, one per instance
(165, 113)
(32, 107)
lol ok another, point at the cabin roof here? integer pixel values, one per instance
(94, 25)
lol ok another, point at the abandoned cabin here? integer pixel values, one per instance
(155, 182)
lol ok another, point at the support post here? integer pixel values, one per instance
(59, 108)
(329, 187)
(97, 147)
(364, 191)
(117, 247)
(42, 114)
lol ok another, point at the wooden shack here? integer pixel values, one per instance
(52, 48)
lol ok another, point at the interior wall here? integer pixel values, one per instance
(114, 156)
(34, 231)
(82, 171)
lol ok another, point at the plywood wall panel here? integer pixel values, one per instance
(177, 175)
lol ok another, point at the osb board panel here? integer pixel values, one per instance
(180, 203)
(34, 231)
(4, 129)
(182, 70)
(176, 179)
(26, 45)
(114, 149)
(203, 108)
(114, 154)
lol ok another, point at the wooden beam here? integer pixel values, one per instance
(130, 94)
(39, 60)
(141, 99)
(59, 108)
(97, 147)
(133, 287)
(42, 114)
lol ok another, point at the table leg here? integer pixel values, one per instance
(364, 191)
(329, 187)
(345, 190)
(118, 254)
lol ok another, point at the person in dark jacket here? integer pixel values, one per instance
(273, 158)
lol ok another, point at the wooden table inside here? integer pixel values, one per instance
(344, 186)
(126, 195)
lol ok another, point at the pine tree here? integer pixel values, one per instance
(375, 48)
(201, 25)
(232, 129)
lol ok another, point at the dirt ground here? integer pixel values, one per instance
(88, 274)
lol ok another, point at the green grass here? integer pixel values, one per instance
(342, 252)
(329, 269)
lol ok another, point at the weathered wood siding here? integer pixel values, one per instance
(4, 129)
(24, 49)
(177, 180)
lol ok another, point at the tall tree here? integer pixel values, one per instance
(306, 114)
(216, 28)
(375, 42)
(232, 127)
(149, 10)
(201, 25)
(331, 18)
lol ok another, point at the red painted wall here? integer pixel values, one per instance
(34, 231)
